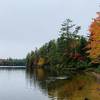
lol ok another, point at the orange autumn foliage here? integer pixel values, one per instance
(94, 40)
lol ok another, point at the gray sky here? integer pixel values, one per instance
(26, 24)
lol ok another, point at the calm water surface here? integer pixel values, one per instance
(21, 84)
(15, 86)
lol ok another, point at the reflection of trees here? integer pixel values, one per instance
(37, 77)
(77, 88)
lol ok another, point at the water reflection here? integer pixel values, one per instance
(81, 87)
(13, 86)
(37, 78)
(43, 86)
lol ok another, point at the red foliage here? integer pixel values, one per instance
(78, 57)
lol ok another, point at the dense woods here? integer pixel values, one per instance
(12, 62)
(70, 52)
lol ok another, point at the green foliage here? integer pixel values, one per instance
(12, 62)
(30, 59)
(67, 52)
(97, 69)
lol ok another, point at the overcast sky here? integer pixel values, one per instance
(26, 24)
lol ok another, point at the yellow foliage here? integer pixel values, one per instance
(41, 61)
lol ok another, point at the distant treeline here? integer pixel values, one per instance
(12, 62)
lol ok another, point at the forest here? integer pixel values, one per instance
(12, 62)
(70, 52)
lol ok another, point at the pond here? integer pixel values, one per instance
(21, 84)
